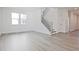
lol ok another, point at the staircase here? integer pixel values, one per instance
(46, 24)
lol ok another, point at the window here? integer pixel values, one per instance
(18, 18)
(15, 18)
(23, 19)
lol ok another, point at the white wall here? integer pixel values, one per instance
(64, 20)
(33, 20)
(61, 20)
(0, 21)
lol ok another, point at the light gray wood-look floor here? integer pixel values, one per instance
(34, 41)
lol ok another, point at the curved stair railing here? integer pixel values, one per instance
(46, 24)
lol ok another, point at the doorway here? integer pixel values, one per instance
(73, 21)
